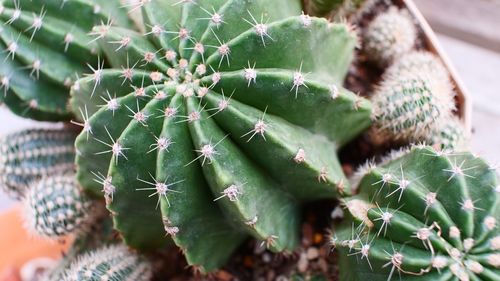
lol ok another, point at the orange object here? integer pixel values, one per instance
(17, 246)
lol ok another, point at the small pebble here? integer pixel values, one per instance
(312, 253)
(303, 263)
(337, 213)
(224, 275)
(266, 257)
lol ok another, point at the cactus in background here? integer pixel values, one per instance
(452, 136)
(389, 36)
(423, 64)
(45, 48)
(99, 234)
(208, 107)
(409, 108)
(426, 215)
(109, 263)
(28, 155)
(56, 206)
(414, 101)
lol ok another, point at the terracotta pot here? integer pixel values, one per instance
(18, 247)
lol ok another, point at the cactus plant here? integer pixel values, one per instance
(410, 107)
(208, 107)
(389, 36)
(425, 215)
(451, 136)
(423, 64)
(109, 263)
(99, 234)
(44, 49)
(56, 206)
(28, 155)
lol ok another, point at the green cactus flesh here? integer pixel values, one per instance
(109, 263)
(28, 155)
(44, 49)
(220, 106)
(426, 215)
(56, 206)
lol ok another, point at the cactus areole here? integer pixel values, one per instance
(427, 215)
(218, 120)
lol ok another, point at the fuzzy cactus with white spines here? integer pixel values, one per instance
(115, 263)
(29, 155)
(452, 135)
(425, 215)
(389, 36)
(208, 107)
(56, 206)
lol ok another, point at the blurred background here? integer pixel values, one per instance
(469, 32)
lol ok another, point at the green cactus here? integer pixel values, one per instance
(28, 155)
(44, 49)
(56, 206)
(389, 36)
(409, 107)
(215, 104)
(424, 215)
(109, 263)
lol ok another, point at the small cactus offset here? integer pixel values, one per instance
(109, 263)
(424, 215)
(215, 121)
(56, 206)
(389, 36)
(28, 155)
(451, 136)
(44, 48)
(410, 107)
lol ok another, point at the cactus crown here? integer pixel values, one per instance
(389, 36)
(28, 155)
(109, 263)
(208, 105)
(45, 47)
(425, 215)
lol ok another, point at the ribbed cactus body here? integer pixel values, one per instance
(389, 36)
(323, 7)
(28, 155)
(44, 49)
(56, 206)
(113, 263)
(425, 215)
(226, 115)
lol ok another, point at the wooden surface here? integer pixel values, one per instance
(473, 21)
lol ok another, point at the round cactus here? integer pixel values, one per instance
(56, 206)
(44, 48)
(28, 155)
(224, 125)
(423, 64)
(426, 215)
(409, 108)
(109, 263)
(451, 136)
(389, 36)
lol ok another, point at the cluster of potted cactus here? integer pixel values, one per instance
(201, 124)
